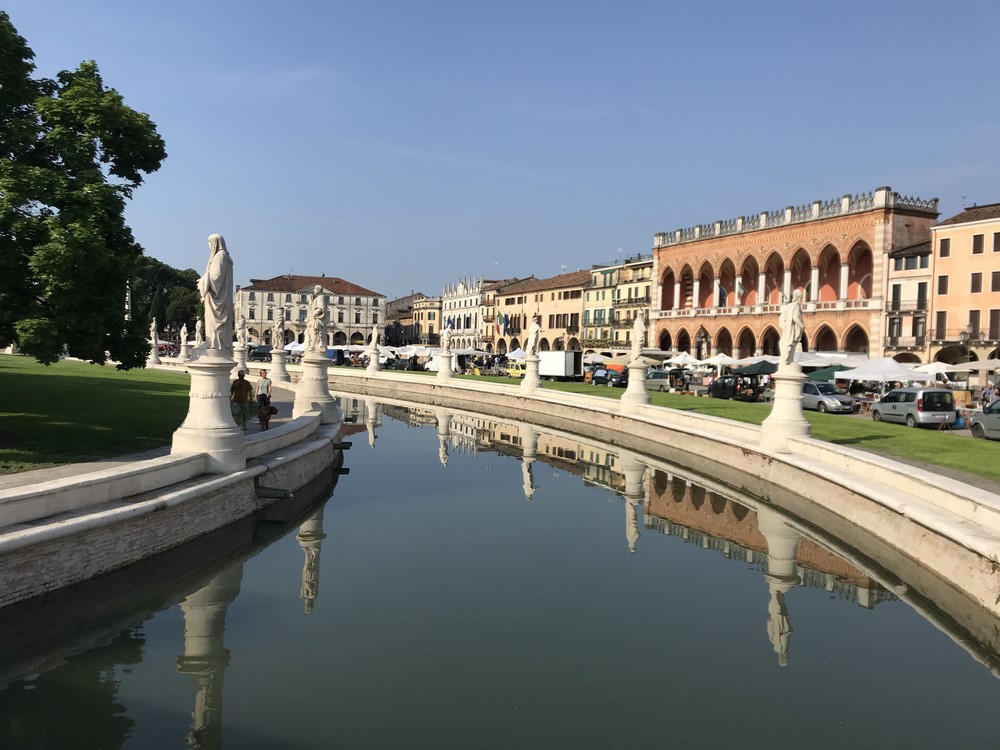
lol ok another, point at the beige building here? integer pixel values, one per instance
(556, 301)
(615, 297)
(427, 321)
(965, 309)
(908, 302)
(353, 311)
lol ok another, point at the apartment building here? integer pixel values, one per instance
(965, 309)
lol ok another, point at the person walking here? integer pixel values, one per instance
(262, 392)
(239, 394)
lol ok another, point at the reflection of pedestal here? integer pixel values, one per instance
(529, 443)
(371, 420)
(782, 575)
(278, 373)
(635, 491)
(205, 657)
(313, 392)
(209, 426)
(444, 365)
(635, 392)
(185, 354)
(531, 380)
(786, 418)
(311, 536)
(154, 355)
(240, 353)
(444, 432)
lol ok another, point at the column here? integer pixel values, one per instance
(814, 284)
(844, 275)
(695, 293)
(761, 289)
(677, 294)
(786, 284)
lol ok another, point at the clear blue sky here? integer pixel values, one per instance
(404, 145)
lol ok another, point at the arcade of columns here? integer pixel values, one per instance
(720, 286)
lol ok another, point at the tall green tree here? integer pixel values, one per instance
(164, 292)
(71, 154)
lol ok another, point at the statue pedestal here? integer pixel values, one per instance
(185, 354)
(444, 365)
(278, 372)
(313, 391)
(529, 452)
(786, 418)
(240, 352)
(209, 426)
(154, 356)
(531, 380)
(373, 366)
(635, 392)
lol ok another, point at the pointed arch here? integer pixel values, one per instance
(747, 291)
(724, 342)
(825, 340)
(746, 344)
(727, 283)
(774, 279)
(856, 340)
(667, 282)
(860, 269)
(829, 274)
(801, 268)
(706, 286)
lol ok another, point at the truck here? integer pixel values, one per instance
(560, 365)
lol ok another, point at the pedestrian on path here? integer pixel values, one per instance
(239, 394)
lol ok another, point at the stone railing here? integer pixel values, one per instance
(881, 198)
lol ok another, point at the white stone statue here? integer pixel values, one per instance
(153, 337)
(446, 339)
(534, 332)
(278, 331)
(216, 289)
(184, 335)
(315, 340)
(790, 322)
(241, 331)
(373, 345)
(199, 333)
(638, 335)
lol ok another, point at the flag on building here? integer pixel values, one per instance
(740, 290)
(723, 295)
(499, 323)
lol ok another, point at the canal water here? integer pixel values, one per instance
(479, 584)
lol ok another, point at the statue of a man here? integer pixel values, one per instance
(152, 332)
(241, 331)
(790, 322)
(199, 333)
(533, 333)
(638, 335)
(316, 329)
(373, 346)
(446, 339)
(216, 289)
(184, 335)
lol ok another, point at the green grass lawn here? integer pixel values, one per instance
(73, 411)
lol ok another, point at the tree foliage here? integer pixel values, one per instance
(71, 154)
(165, 293)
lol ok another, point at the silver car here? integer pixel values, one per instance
(986, 424)
(916, 406)
(823, 396)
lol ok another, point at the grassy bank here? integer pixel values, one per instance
(74, 411)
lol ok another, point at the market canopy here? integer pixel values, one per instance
(987, 365)
(516, 354)
(828, 373)
(682, 360)
(883, 369)
(762, 367)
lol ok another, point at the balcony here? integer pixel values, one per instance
(634, 301)
(905, 342)
(917, 305)
(967, 335)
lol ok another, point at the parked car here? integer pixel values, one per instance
(741, 388)
(824, 396)
(168, 350)
(986, 424)
(657, 380)
(260, 353)
(916, 406)
(516, 370)
(604, 376)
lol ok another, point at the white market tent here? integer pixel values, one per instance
(986, 365)
(595, 359)
(883, 369)
(516, 354)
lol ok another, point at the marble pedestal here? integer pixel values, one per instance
(444, 366)
(185, 354)
(240, 353)
(313, 391)
(531, 380)
(529, 447)
(635, 392)
(278, 373)
(373, 366)
(154, 356)
(786, 418)
(209, 427)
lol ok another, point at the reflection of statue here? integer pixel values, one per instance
(184, 335)
(278, 331)
(316, 329)
(216, 289)
(527, 479)
(533, 334)
(638, 335)
(199, 333)
(443, 451)
(241, 331)
(153, 337)
(779, 629)
(790, 322)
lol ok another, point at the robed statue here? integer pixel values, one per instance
(638, 335)
(533, 333)
(790, 322)
(315, 340)
(216, 289)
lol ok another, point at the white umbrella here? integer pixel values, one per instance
(935, 368)
(883, 369)
(682, 360)
(719, 360)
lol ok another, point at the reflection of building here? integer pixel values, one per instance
(679, 508)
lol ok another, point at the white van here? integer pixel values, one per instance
(916, 406)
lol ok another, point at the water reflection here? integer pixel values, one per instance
(77, 650)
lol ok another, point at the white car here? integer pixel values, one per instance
(657, 380)
(824, 396)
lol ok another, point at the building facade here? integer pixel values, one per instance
(461, 308)
(965, 312)
(427, 321)
(556, 301)
(908, 302)
(720, 286)
(353, 311)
